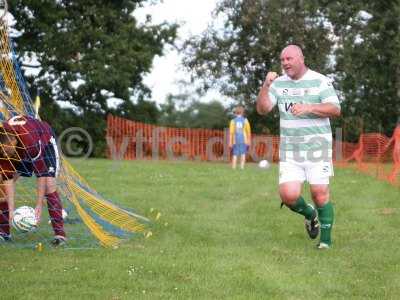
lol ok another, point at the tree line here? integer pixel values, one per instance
(357, 43)
(94, 54)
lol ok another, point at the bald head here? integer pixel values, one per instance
(292, 61)
(293, 50)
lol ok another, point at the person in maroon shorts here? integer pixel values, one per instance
(31, 147)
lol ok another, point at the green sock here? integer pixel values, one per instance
(301, 207)
(325, 216)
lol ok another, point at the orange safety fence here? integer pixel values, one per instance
(377, 155)
(374, 154)
(136, 140)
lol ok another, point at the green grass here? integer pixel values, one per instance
(221, 236)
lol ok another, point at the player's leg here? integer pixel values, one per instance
(4, 218)
(290, 192)
(242, 161)
(54, 203)
(234, 161)
(320, 195)
(244, 150)
(235, 154)
(54, 206)
(319, 187)
(291, 178)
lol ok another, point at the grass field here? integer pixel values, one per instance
(221, 235)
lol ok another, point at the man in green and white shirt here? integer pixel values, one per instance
(306, 100)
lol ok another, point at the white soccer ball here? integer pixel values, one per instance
(24, 219)
(263, 164)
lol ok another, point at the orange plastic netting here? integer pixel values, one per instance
(374, 154)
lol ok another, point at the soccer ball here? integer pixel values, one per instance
(24, 219)
(263, 164)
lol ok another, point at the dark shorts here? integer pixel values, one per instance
(240, 149)
(26, 168)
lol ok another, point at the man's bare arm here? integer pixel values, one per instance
(324, 110)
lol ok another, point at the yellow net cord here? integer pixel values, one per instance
(7, 70)
(73, 186)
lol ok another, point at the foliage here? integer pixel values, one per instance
(92, 52)
(89, 52)
(357, 43)
(142, 111)
(367, 60)
(236, 58)
(194, 114)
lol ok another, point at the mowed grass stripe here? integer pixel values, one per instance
(221, 235)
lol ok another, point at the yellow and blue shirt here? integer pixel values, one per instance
(240, 132)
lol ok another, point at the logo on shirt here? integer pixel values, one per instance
(325, 169)
(296, 92)
(239, 125)
(288, 106)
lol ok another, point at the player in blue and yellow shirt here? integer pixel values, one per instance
(239, 137)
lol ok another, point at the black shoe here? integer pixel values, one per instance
(59, 241)
(5, 238)
(312, 226)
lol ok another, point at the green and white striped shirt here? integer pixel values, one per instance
(308, 136)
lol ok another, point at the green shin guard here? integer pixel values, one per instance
(326, 216)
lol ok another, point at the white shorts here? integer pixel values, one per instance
(313, 172)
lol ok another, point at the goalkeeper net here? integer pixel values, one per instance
(90, 219)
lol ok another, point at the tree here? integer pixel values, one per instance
(170, 113)
(211, 115)
(89, 51)
(182, 111)
(142, 111)
(356, 42)
(236, 58)
(367, 61)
